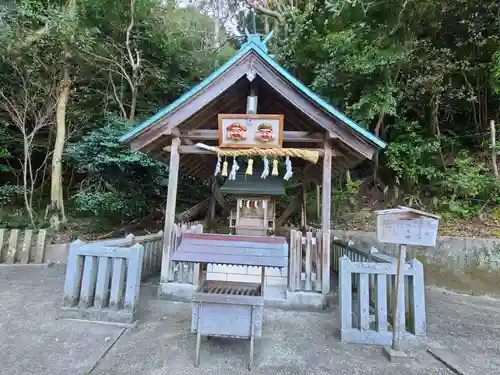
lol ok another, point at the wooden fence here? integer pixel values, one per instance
(103, 280)
(305, 261)
(372, 307)
(153, 248)
(22, 247)
(367, 286)
(182, 272)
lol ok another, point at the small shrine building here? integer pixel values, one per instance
(252, 108)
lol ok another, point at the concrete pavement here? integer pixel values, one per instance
(33, 341)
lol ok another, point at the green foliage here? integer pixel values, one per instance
(117, 180)
(467, 178)
(411, 156)
(496, 72)
(396, 67)
(10, 194)
(399, 69)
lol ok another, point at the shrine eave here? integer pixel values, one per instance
(256, 46)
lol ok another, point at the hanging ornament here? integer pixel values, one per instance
(249, 170)
(217, 166)
(255, 204)
(265, 172)
(288, 165)
(224, 168)
(240, 201)
(264, 204)
(275, 168)
(248, 204)
(234, 169)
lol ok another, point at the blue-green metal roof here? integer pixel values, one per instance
(254, 43)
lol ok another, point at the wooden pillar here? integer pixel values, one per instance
(326, 216)
(173, 177)
(318, 202)
(303, 211)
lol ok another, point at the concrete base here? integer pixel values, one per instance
(307, 300)
(396, 356)
(97, 315)
(176, 291)
(273, 297)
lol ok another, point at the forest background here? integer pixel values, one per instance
(423, 75)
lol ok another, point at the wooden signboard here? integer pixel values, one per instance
(406, 226)
(247, 131)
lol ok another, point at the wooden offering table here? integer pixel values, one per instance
(224, 308)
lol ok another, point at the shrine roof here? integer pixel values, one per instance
(258, 47)
(253, 185)
(232, 249)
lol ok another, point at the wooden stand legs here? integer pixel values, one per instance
(252, 336)
(198, 338)
(252, 339)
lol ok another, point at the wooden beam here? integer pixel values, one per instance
(326, 216)
(290, 115)
(173, 178)
(312, 111)
(288, 136)
(227, 103)
(355, 142)
(193, 149)
(187, 109)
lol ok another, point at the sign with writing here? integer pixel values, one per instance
(405, 226)
(247, 131)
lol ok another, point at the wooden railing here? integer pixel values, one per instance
(374, 299)
(182, 272)
(103, 280)
(339, 249)
(305, 261)
(151, 259)
(22, 247)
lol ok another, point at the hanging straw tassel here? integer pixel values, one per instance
(265, 172)
(217, 166)
(288, 165)
(248, 204)
(234, 169)
(249, 170)
(224, 169)
(275, 168)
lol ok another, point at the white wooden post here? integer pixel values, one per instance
(398, 316)
(326, 216)
(173, 177)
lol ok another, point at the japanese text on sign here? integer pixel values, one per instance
(421, 231)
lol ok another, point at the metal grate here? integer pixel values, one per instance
(232, 290)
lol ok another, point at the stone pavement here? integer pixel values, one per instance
(33, 341)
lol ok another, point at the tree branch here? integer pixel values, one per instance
(266, 11)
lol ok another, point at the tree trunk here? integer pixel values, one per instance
(493, 149)
(57, 214)
(27, 200)
(133, 102)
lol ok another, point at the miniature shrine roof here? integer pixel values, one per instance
(232, 249)
(253, 185)
(308, 118)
